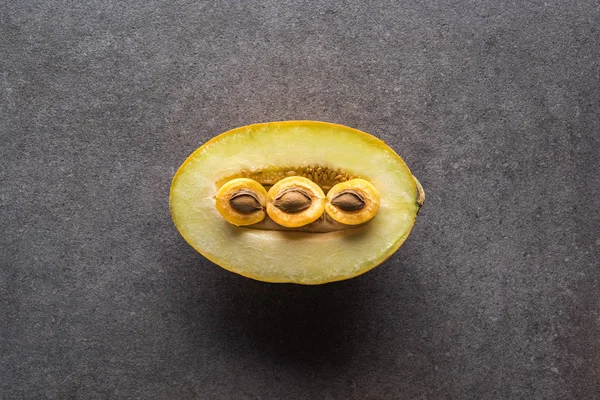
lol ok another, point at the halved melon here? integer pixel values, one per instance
(322, 251)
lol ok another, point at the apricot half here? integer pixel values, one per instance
(296, 201)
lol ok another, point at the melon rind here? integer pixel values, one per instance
(298, 257)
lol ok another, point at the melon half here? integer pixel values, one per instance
(327, 154)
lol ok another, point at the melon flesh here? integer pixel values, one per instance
(283, 256)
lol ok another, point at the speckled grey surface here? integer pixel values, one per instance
(494, 107)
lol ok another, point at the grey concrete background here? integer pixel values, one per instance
(495, 107)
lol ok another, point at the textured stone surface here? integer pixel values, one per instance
(495, 107)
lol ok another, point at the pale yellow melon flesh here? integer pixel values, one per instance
(283, 256)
